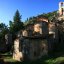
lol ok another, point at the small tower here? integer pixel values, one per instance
(61, 10)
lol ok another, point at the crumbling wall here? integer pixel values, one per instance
(38, 48)
(17, 55)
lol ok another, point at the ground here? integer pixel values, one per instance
(7, 59)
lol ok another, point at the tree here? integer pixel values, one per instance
(17, 17)
(17, 24)
(30, 20)
(3, 30)
(17, 21)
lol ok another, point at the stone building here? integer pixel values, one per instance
(33, 46)
(40, 38)
(36, 48)
(43, 22)
(61, 22)
(61, 11)
(53, 37)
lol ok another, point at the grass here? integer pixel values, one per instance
(44, 60)
(55, 60)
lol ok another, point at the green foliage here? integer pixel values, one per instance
(44, 60)
(32, 20)
(17, 17)
(3, 31)
(16, 25)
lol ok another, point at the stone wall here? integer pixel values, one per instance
(8, 41)
(31, 48)
(17, 55)
(38, 48)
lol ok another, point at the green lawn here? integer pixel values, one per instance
(40, 61)
(43, 60)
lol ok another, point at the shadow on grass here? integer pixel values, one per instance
(38, 61)
(43, 60)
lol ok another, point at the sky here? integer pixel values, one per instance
(27, 8)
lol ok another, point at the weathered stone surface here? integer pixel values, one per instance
(17, 55)
(61, 11)
(37, 28)
(8, 38)
(25, 33)
(38, 48)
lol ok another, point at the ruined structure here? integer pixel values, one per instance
(43, 22)
(56, 29)
(17, 55)
(32, 46)
(61, 11)
(8, 38)
(8, 41)
(40, 38)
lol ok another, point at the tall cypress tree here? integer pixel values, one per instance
(17, 24)
(17, 17)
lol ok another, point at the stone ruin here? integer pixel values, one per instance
(30, 47)
(8, 38)
(8, 41)
(61, 11)
(37, 45)
(17, 55)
